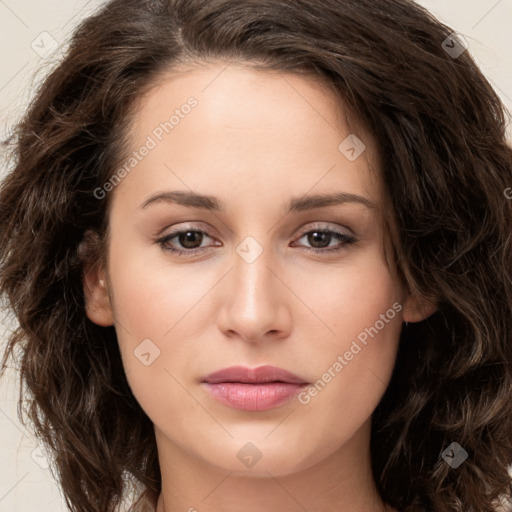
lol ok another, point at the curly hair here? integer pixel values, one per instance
(440, 131)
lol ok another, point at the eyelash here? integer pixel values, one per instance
(342, 237)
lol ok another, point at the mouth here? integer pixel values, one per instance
(257, 389)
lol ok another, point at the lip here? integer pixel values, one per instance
(256, 389)
(259, 375)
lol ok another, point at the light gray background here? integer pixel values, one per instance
(28, 29)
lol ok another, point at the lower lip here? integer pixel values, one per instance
(253, 397)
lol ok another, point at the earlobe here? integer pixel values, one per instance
(94, 280)
(98, 306)
(97, 301)
(418, 309)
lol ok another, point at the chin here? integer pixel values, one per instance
(280, 456)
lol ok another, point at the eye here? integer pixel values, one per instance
(320, 239)
(190, 239)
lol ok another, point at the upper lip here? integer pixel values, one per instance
(261, 374)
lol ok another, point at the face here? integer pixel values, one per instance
(224, 251)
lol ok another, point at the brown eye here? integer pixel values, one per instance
(189, 239)
(186, 241)
(320, 240)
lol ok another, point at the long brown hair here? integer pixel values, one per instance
(440, 130)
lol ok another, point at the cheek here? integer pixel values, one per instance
(151, 295)
(153, 304)
(353, 297)
(352, 374)
(354, 361)
(155, 340)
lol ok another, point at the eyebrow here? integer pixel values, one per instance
(295, 204)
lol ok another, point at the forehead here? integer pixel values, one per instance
(246, 129)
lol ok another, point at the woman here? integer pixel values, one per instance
(260, 255)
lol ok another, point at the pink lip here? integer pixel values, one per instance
(256, 389)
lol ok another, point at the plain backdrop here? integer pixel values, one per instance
(29, 30)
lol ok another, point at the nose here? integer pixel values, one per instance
(254, 301)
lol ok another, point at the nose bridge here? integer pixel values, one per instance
(252, 281)
(254, 304)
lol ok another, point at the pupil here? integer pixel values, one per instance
(318, 236)
(187, 239)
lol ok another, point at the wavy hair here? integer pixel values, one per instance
(440, 131)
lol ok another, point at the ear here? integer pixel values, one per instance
(418, 309)
(98, 306)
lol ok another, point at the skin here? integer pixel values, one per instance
(255, 140)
